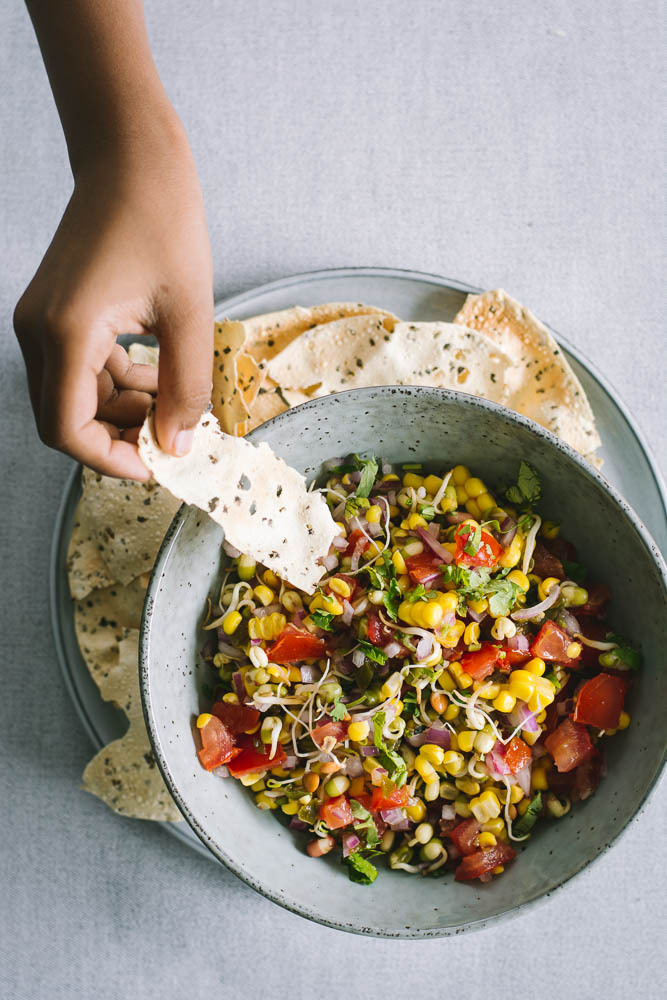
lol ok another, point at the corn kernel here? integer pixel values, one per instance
(535, 666)
(471, 634)
(573, 650)
(479, 607)
(425, 769)
(460, 474)
(498, 870)
(446, 681)
(416, 811)
(326, 602)
(391, 477)
(410, 479)
(484, 742)
(546, 586)
(505, 702)
(453, 762)
(461, 495)
(374, 514)
(203, 719)
(340, 587)
(294, 675)
(291, 808)
(466, 740)
(451, 713)
(264, 594)
(474, 487)
(447, 601)
(392, 685)
(416, 521)
(522, 684)
(519, 579)
(468, 786)
(495, 826)
(462, 808)
(486, 806)
(279, 672)
(357, 731)
(463, 680)
(522, 807)
(231, 622)
(488, 689)
(530, 738)
(516, 794)
(399, 563)
(263, 801)
(246, 567)
(428, 615)
(473, 508)
(486, 839)
(432, 484)
(268, 627)
(432, 753)
(538, 780)
(431, 790)
(624, 720)
(550, 529)
(511, 555)
(485, 502)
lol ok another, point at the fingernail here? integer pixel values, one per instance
(183, 442)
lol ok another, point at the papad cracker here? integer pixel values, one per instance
(266, 406)
(261, 502)
(86, 569)
(102, 620)
(226, 396)
(124, 774)
(143, 354)
(360, 351)
(127, 521)
(269, 334)
(251, 378)
(541, 382)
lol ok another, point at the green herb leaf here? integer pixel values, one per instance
(340, 470)
(427, 511)
(396, 766)
(379, 720)
(575, 571)
(502, 595)
(529, 818)
(473, 541)
(528, 489)
(372, 652)
(354, 504)
(369, 470)
(418, 593)
(366, 823)
(392, 599)
(322, 619)
(339, 711)
(360, 870)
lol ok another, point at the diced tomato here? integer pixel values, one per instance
(482, 862)
(464, 836)
(487, 554)
(388, 796)
(336, 729)
(380, 634)
(217, 744)
(336, 812)
(517, 754)
(254, 756)
(545, 563)
(600, 701)
(598, 597)
(356, 540)
(561, 549)
(592, 628)
(552, 643)
(515, 656)
(424, 568)
(295, 644)
(237, 718)
(569, 745)
(482, 663)
(587, 777)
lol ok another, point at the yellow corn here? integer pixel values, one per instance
(392, 685)
(294, 675)
(535, 666)
(495, 826)
(432, 753)
(511, 555)
(399, 563)
(231, 698)
(466, 740)
(471, 634)
(530, 738)
(463, 680)
(505, 702)
(416, 811)
(326, 602)
(488, 689)
(522, 684)
(291, 808)
(203, 719)
(411, 479)
(404, 583)
(391, 477)
(416, 521)
(538, 779)
(546, 586)
(474, 487)
(263, 801)
(432, 790)
(453, 762)
(432, 484)
(550, 529)
(624, 720)
(374, 514)
(340, 587)
(460, 474)
(544, 695)
(468, 786)
(486, 840)
(446, 681)
(279, 672)
(357, 731)
(231, 622)
(485, 502)
(268, 627)
(516, 794)
(519, 578)
(473, 508)
(425, 769)
(485, 806)
(447, 601)
(449, 637)
(479, 606)
(264, 594)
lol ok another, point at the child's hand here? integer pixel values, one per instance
(131, 255)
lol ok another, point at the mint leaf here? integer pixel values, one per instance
(529, 818)
(372, 652)
(360, 870)
(322, 619)
(366, 824)
(369, 470)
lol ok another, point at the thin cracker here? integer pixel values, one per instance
(227, 397)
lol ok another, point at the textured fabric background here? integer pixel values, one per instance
(506, 143)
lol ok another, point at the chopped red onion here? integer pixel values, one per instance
(508, 529)
(495, 760)
(268, 610)
(290, 762)
(567, 620)
(518, 642)
(298, 616)
(486, 877)
(392, 648)
(297, 824)
(348, 612)
(222, 771)
(340, 542)
(332, 463)
(440, 551)
(523, 778)
(374, 529)
(448, 811)
(230, 550)
(358, 657)
(353, 767)
(228, 650)
(565, 706)
(330, 562)
(309, 674)
(360, 606)
(425, 648)
(458, 518)
(369, 751)
(355, 477)
(525, 614)
(436, 734)
(477, 616)
(350, 843)
(522, 716)
(356, 555)
(434, 529)
(395, 819)
(391, 497)
(338, 512)
(239, 686)
(378, 775)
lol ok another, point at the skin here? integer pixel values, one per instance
(131, 253)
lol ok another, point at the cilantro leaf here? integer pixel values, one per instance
(418, 593)
(354, 504)
(528, 490)
(392, 599)
(396, 766)
(339, 711)
(626, 653)
(473, 541)
(322, 619)
(502, 595)
(366, 823)
(360, 870)
(340, 470)
(575, 571)
(369, 470)
(427, 511)
(379, 720)
(372, 652)
(529, 818)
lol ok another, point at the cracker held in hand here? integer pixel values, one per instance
(369, 350)
(541, 382)
(261, 502)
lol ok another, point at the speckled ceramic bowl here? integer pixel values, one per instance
(432, 426)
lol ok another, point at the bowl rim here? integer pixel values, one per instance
(216, 849)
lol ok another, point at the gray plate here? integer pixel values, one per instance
(628, 463)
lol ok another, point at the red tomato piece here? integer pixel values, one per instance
(464, 836)
(482, 663)
(569, 745)
(380, 634)
(545, 563)
(517, 754)
(598, 597)
(336, 812)
(336, 729)
(217, 744)
(424, 568)
(552, 643)
(586, 777)
(515, 656)
(295, 644)
(487, 554)
(356, 540)
(482, 862)
(254, 756)
(237, 718)
(600, 701)
(389, 797)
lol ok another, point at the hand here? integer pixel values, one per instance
(131, 255)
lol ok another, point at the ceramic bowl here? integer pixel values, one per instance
(439, 428)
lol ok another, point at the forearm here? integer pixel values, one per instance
(105, 84)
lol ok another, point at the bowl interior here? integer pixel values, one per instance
(441, 429)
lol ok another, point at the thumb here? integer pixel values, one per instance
(184, 375)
